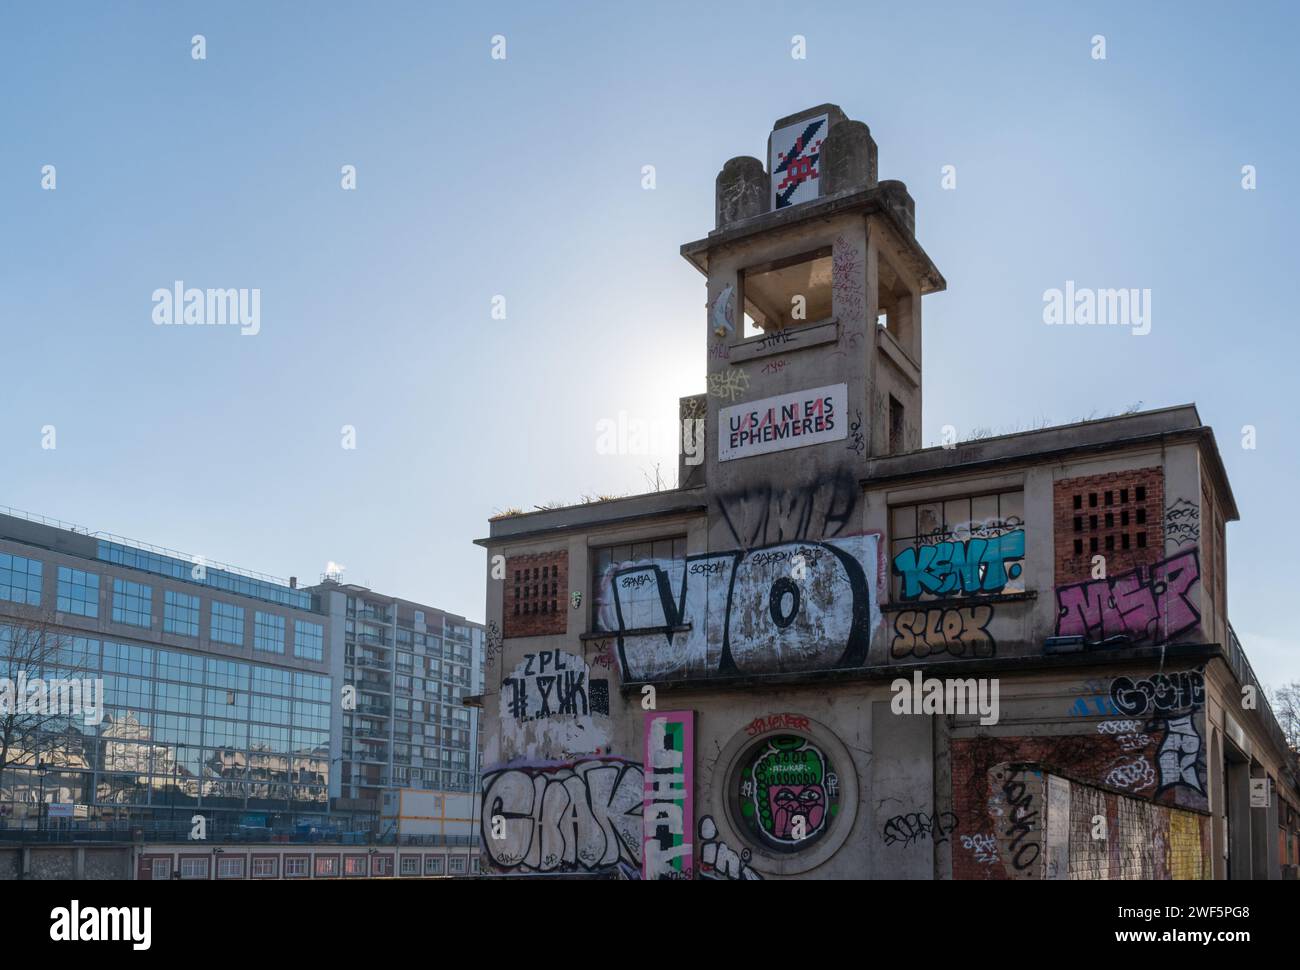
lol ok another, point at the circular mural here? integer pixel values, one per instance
(787, 793)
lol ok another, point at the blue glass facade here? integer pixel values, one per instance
(197, 572)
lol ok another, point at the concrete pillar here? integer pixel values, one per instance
(1262, 834)
(741, 190)
(1238, 806)
(900, 202)
(848, 158)
(691, 413)
(1216, 785)
(79, 862)
(1274, 859)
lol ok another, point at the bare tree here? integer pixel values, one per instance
(39, 663)
(1286, 708)
(657, 483)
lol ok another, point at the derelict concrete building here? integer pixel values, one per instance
(697, 683)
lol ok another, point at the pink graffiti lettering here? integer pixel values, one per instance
(1151, 603)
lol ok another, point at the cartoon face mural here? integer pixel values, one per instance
(788, 794)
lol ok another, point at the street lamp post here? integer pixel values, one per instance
(41, 769)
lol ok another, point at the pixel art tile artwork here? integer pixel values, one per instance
(796, 150)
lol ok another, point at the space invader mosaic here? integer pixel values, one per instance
(796, 154)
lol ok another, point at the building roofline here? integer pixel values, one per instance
(1141, 429)
(366, 590)
(882, 199)
(674, 502)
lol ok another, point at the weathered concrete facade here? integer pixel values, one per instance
(700, 682)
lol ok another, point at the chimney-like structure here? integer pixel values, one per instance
(813, 312)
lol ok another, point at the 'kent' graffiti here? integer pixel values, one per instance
(983, 565)
(1151, 603)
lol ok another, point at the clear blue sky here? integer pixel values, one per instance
(522, 177)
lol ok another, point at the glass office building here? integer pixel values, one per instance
(216, 689)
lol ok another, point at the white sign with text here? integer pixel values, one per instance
(786, 421)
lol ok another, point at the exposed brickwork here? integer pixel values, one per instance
(536, 595)
(999, 798)
(1119, 515)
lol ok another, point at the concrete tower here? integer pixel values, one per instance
(813, 318)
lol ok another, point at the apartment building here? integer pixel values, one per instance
(411, 667)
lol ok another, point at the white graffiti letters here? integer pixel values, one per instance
(743, 612)
(584, 817)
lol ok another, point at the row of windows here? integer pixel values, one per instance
(300, 866)
(133, 673)
(197, 572)
(214, 759)
(78, 594)
(139, 695)
(111, 790)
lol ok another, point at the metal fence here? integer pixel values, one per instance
(62, 830)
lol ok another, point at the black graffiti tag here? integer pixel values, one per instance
(1159, 693)
(1024, 849)
(547, 684)
(913, 827)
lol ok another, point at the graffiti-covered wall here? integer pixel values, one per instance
(783, 608)
(829, 586)
(1136, 740)
(1044, 826)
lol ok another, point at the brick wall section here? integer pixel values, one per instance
(983, 803)
(537, 594)
(1134, 530)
